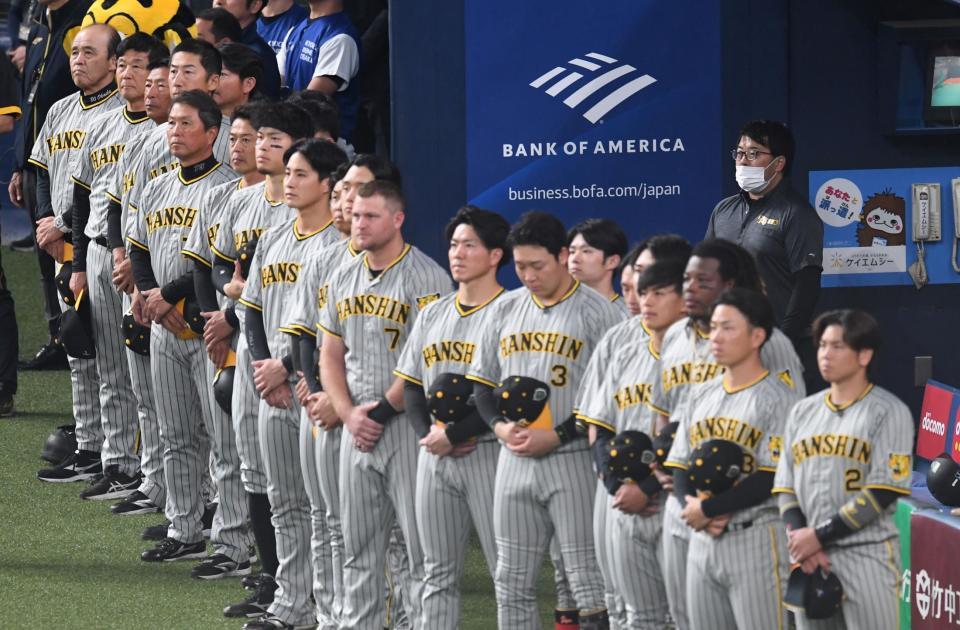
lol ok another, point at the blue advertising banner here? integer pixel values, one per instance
(868, 224)
(609, 109)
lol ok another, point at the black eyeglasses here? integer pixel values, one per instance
(750, 154)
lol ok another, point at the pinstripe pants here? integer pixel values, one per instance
(153, 484)
(376, 488)
(85, 392)
(616, 609)
(738, 580)
(321, 548)
(635, 550)
(118, 406)
(326, 460)
(189, 420)
(533, 499)
(452, 493)
(676, 540)
(245, 404)
(279, 431)
(870, 574)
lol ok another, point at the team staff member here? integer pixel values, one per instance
(9, 345)
(773, 222)
(628, 517)
(544, 482)
(187, 409)
(846, 460)
(597, 246)
(736, 564)
(457, 466)
(274, 278)
(92, 171)
(714, 267)
(372, 303)
(93, 65)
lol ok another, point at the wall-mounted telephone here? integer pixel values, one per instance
(925, 217)
(955, 185)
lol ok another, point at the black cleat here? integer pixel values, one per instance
(170, 550)
(136, 503)
(257, 604)
(25, 244)
(48, 357)
(79, 466)
(220, 566)
(156, 532)
(112, 485)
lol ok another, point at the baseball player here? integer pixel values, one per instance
(846, 459)
(686, 359)
(186, 410)
(372, 303)
(246, 215)
(615, 397)
(458, 461)
(628, 281)
(151, 495)
(93, 64)
(274, 281)
(544, 482)
(92, 171)
(597, 246)
(736, 561)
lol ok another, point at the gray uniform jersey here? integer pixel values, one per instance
(94, 166)
(831, 453)
(155, 159)
(618, 301)
(444, 339)
(245, 215)
(616, 391)
(163, 224)
(686, 360)
(203, 234)
(312, 291)
(63, 133)
(118, 188)
(552, 344)
(752, 416)
(276, 273)
(374, 315)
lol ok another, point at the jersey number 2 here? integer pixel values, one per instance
(853, 477)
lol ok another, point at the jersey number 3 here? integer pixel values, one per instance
(559, 376)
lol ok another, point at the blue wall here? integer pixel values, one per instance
(811, 63)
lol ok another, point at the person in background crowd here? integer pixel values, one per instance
(246, 12)
(277, 18)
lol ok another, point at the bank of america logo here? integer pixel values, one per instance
(599, 72)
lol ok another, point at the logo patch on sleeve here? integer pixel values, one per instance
(899, 464)
(423, 300)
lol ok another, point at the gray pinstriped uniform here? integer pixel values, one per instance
(93, 168)
(63, 132)
(685, 359)
(452, 492)
(373, 316)
(320, 449)
(616, 396)
(183, 377)
(535, 498)
(247, 213)
(738, 579)
(274, 281)
(153, 485)
(830, 454)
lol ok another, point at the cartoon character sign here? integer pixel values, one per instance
(170, 21)
(882, 221)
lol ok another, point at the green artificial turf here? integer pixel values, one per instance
(67, 563)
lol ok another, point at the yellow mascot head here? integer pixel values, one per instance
(170, 21)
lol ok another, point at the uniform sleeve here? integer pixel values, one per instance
(409, 364)
(338, 57)
(770, 452)
(783, 481)
(282, 57)
(39, 156)
(803, 237)
(197, 247)
(485, 367)
(224, 246)
(588, 406)
(136, 228)
(434, 284)
(303, 314)
(81, 167)
(9, 98)
(252, 296)
(596, 404)
(327, 320)
(679, 454)
(892, 445)
(779, 356)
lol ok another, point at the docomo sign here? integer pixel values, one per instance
(955, 449)
(932, 439)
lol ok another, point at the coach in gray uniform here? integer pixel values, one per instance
(92, 171)
(181, 372)
(545, 484)
(372, 304)
(93, 68)
(458, 461)
(777, 225)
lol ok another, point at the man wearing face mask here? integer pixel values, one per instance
(777, 226)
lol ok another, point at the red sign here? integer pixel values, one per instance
(933, 581)
(955, 441)
(932, 438)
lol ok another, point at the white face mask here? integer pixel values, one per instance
(751, 178)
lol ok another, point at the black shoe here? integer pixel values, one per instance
(25, 244)
(136, 503)
(79, 466)
(48, 357)
(250, 582)
(257, 604)
(170, 550)
(156, 532)
(274, 623)
(113, 485)
(6, 407)
(207, 519)
(220, 566)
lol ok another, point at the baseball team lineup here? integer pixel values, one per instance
(258, 354)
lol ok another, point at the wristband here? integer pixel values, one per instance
(287, 361)
(383, 412)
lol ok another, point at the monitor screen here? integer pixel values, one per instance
(945, 86)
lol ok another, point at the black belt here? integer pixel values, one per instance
(101, 241)
(739, 527)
